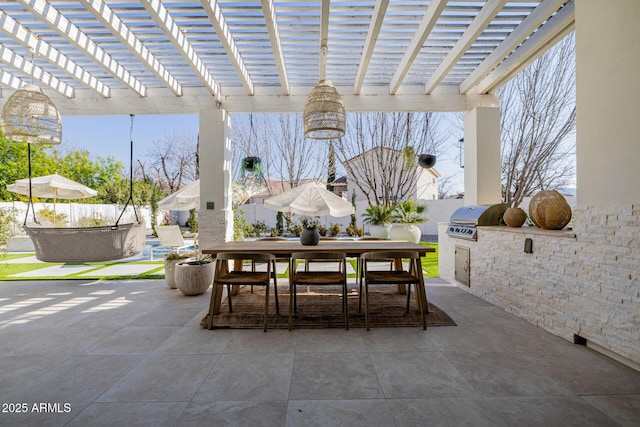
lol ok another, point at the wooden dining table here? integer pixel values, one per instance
(284, 249)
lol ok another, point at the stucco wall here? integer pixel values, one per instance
(587, 285)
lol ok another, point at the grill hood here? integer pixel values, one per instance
(478, 215)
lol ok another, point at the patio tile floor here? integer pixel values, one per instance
(128, 352)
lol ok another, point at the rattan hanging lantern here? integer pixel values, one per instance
(30, 116)
(324, 116)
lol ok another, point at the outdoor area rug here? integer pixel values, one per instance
(320, 307)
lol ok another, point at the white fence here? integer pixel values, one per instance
(75, 212)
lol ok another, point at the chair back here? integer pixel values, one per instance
(308, 257)
(170, 235)
(386, 255)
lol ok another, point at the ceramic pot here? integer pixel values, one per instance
(380, 231)
(169, 272)
(193, 278)
(407, 232)
(514, 217)
(309, 236)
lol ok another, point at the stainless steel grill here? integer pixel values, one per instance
(463, 221)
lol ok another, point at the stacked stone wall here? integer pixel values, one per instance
(584, 281)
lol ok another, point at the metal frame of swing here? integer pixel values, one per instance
(87, 244)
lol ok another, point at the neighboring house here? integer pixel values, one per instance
(426, 182)
(340, 187)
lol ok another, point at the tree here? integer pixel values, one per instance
(379, 152)
(538, 115)
(172, 162)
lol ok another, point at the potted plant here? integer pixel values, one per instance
(379, 219)
(309, 235)
(170, 261)
(335, 229)
(406, 215)
(194, 277)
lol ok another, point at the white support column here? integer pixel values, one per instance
(607, 100)
(215, 224)
(482, 162)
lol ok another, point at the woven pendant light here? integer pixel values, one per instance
(324, 116)
(30, 116)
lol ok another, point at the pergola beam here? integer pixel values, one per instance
(271, 22)
(8, 79)
(429, 20)
(66, 29)
(379, 10)
(324, 37)
(11, 58)
(531, 23)
(161, 15)
(561, 24)
(110, 20)
(212, 8)
(481, 21)
(26, 38)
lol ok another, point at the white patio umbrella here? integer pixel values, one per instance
(310, 199)
(185, 199)
(52, 187)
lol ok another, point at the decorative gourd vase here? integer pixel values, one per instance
(549, 210)
(310, 236)
(193, 277)
(380, 231)
(514, 217)
(408, 232)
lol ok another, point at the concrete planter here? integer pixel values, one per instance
(380, 231)
(193, 277)
(408, 232)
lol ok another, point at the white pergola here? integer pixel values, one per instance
(159, 56)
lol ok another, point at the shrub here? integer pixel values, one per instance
(49, 215)
(335, 229)
(355, 231)
(7, 221)
(322, 229)
(88, 221)
(297, 229)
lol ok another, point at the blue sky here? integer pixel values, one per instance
(109, 135)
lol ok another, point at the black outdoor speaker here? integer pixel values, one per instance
(427, 160)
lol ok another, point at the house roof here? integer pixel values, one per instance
(101, 57)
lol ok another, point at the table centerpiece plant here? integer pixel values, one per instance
(406, 214)
(309, 235)
(379, 219)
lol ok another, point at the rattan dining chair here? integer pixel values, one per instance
(396, 277)
(222, 276)
(306, 277)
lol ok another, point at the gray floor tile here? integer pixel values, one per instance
(329, 340)
(410, 375)
(550, 411)
(132, 340)
(195, 340)
(624, 409)
(334, 376)
(504, 374)
(162, 378)
(347, 413)
(156, 414)
(80, 379)
(398, 339)
(448, 412)
(258, 341)
(15, 371)
(254, 377)
(235, 413)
